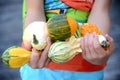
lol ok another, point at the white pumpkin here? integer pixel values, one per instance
(38, 29)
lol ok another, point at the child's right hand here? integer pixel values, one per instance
(39, 59)
(92, 50)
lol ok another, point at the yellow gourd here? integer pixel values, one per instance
(15, 56)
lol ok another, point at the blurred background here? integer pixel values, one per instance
(11, 34)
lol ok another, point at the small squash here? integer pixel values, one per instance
(90, 28)
(15, 57)
(37, 33)
(61, 27)
(63, 51)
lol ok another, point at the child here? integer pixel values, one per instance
(86, 66)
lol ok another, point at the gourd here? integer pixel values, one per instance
(37, 32)
(15, 56)
(61, 27)
(63, 51)
(66, 44)
(90, 28)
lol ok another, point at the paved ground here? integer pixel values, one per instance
(10, 34)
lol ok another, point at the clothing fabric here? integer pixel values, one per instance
(79, 15)
(54, 4)
(28, 73)
(76, 4)
(80, 4)
(78, 63)
(75, 69)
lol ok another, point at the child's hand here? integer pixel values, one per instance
(28, 46)
(92, 50)
(39, 59)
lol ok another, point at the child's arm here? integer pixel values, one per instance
(35, 12)
(92, 51)
(100, 15)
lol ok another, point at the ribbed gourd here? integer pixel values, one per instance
(63, 51)
(60, 27)
(37, 33)
(15, 56)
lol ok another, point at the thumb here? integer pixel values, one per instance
(28, 46)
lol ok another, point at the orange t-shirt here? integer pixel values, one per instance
(78, 63)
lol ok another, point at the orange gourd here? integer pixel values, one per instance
(73, 25)
(89, 28)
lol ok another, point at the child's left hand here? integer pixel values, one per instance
(92, 50)
(39, 59)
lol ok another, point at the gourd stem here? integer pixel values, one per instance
(77, 33)
(35, 41)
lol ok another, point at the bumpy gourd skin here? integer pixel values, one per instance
(90, 28)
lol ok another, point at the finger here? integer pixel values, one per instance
(44, 55)
(111, 43)
(87, 52)
(34, 58)
(98, 48)
(82, 46)
(90, 45)
(48, 61)
(49, 41)
(109, 39)
(28, 46)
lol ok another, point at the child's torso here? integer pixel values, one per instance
(75, 69)
(81, 16)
